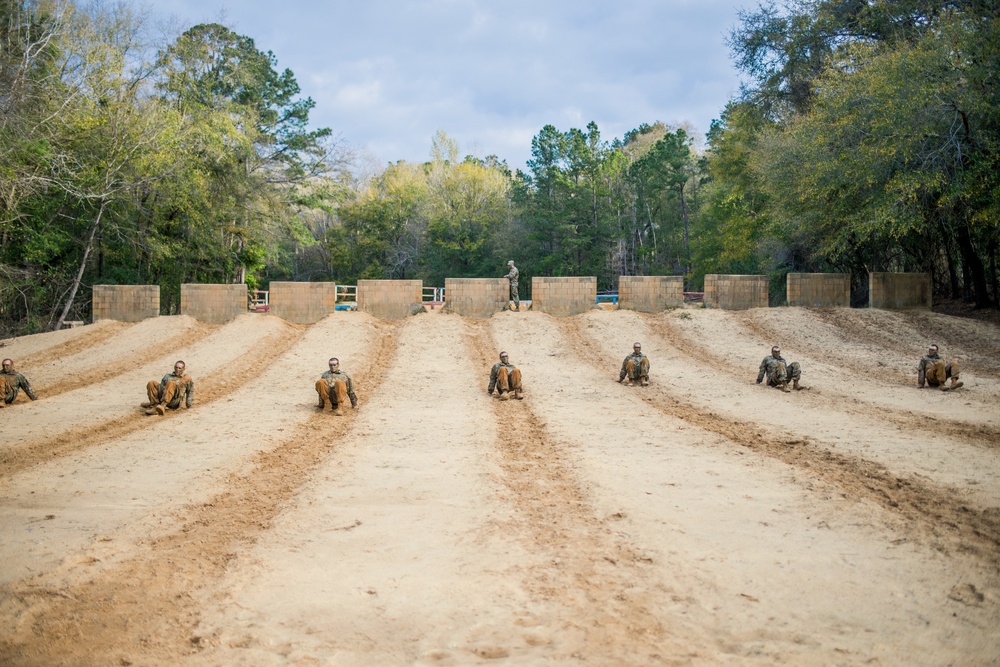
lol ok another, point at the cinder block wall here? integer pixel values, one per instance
(302, 303)
(819, 290)
(563, 296)
(476, 297)
(896, 291)
(733, 292)
(125, 303)
(389, 299)
(213, 304)
(650, 294)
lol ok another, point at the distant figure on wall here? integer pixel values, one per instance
(635, 368)
(506, 379)
(174, 391)
(512, 277)
(936, 372)
(11, 382)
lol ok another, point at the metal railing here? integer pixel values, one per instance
(433, 295)
(347, 293)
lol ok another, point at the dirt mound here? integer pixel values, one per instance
(702, 520)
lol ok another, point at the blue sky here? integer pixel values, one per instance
(386, 75)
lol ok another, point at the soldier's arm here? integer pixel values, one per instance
(493, 378)
(623, 373)
(27, 387)
(189, 390)
(350, 393)
(921, 373)
(762, 371)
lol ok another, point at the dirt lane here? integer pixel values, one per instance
(215, 488)
(743, 546)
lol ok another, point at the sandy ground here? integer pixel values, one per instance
(702, 520)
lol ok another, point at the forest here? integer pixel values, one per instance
(865, 137)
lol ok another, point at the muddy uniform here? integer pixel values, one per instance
(512, 277)
(173, 390)
(635, 367)
(504, 378)
(331, 378)
(778, 372)
(11, 384)
(935, 371)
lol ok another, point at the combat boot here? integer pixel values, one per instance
(628, 381)
(146, 404)
(798, 387)
(504, 396)
(784, 387)
(518, 394)
(149, 412)
(955, 384)
(321, 405)
(339, 410)
(160, 410)
(643, 382)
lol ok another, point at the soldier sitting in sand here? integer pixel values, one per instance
(12, 382)
(778, 372)
(635, 368)
(335, 387)
(936, 372)
(171, 393)
(506, 379)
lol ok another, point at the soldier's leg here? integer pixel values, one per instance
(516, 298)
(644, 372)
(515, 383)
(795, 374)
(937, 374)
(172, 396)
(338, 392)
(629, 372)
(503, 385)
(951, 371)
(781, 377)
(152, 394)
(323, 390)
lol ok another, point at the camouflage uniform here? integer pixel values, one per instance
(505, 378)
(778, 372)
(171, 391)
(336, 387)
(935, 372)
(512, 277)
(635, 367)
(10, 384)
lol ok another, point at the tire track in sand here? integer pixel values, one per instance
(920, 425)
(213, 387)
(943, 519)
(590, 572)
(148, 606)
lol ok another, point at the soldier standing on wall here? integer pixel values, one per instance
(512, 277)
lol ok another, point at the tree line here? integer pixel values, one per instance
(864, 139)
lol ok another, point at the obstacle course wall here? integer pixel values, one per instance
(389, 299)
(302, 303)
(734, 292)
(563, 296)
(819, 290)
(125, 303)
(213, 304)
(476, 297)
(650, 294)
(899, 291)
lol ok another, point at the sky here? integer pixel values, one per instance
(385, 76)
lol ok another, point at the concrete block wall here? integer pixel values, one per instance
(563, 296)
(897, 291)
(125, 303)
(302, 303)
(734, 292)
(476, 297)
(213, 304)
(819, 290)
(389, 299)
(650, 294)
